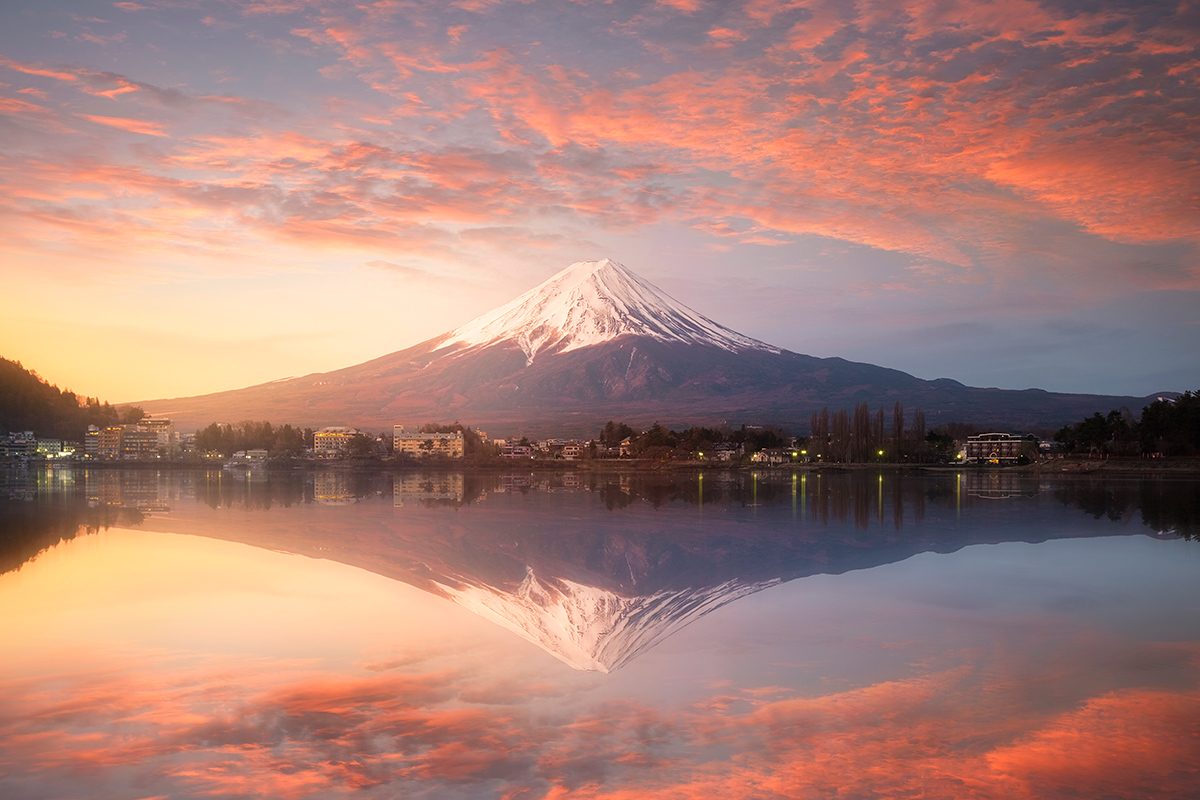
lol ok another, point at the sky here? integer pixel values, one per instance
(206, 195)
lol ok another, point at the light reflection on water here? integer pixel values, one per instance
(769, 634)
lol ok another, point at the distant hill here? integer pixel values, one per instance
(597, 342)
(29, 403)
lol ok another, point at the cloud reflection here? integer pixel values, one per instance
(276, 731)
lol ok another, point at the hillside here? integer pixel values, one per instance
(597, 342)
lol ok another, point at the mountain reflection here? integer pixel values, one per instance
(665, 550)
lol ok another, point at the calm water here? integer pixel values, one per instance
(551, 636)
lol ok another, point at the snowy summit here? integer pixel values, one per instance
(591, 302)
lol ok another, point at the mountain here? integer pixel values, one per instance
(588, 304)
(596, 342)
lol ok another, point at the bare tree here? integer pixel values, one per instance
(861, 433)
(839, 439)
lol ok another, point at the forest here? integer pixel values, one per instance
(29, 403)
(1168, 427)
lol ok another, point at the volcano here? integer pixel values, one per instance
(597, 342)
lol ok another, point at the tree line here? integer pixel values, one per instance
(29, 403)
(661, 442)
(1168, 427)
(850, 436)
(228, 438)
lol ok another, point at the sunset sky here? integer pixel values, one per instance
(200, 195)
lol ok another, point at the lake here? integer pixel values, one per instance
(574, 635)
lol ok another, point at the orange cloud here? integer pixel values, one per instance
(41, 72)
(919, 131)
(12, 105)
(686, 6)
(140, 126)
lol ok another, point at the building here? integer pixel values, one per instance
(142, 441)
(249, 458)
(138, 443)
(91, 442)
(333, 442)
(50, 448)
(778, 455)
(1000, 448)
(418, 444)
(108, 442)
(164, 430)
(18, 444)
(516, 451)
(727, 451)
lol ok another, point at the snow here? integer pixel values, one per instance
(589, 303)
(589, 628)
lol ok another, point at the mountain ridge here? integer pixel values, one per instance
(596, 342)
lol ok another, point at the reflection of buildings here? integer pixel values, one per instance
(427, 489)
(998, 485)
(333, 488)
(145, 490)
(509, 482)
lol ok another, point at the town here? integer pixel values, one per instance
(1168, 428)
(156, 441)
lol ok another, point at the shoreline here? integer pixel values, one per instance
(1057, 467)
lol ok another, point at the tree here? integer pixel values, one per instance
(839, 437)
(360, 446)
(613, 433)
(28, 403)
(918, 431)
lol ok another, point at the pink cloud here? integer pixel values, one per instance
(140, 126)
(684, 6)
(41, 72)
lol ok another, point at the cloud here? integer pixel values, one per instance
(963, 136)
(143, 127)
(41, 72)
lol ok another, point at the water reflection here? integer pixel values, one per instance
(597, 591)
(222, 663)
(867, 499)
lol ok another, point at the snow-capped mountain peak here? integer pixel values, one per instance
(591, 302)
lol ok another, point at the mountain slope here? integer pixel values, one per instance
(596, 342)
